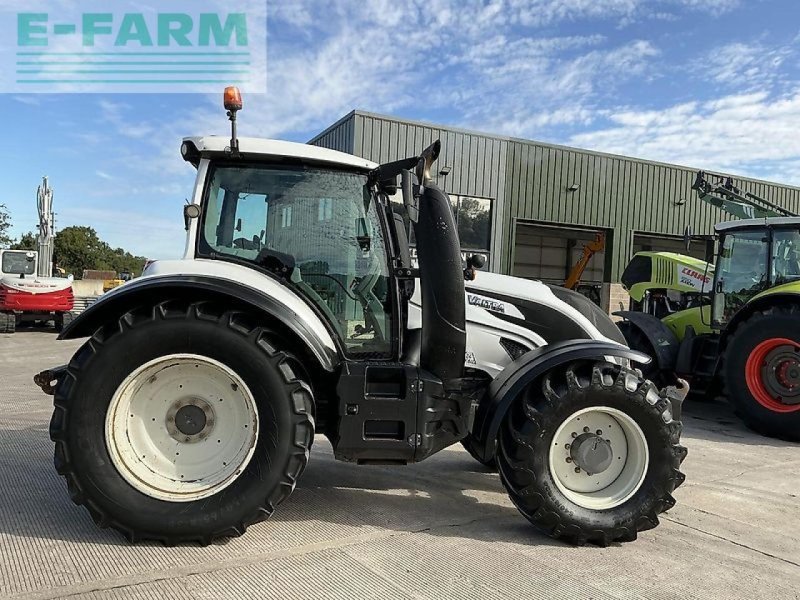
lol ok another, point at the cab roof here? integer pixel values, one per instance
(757, 223)
(264, 148)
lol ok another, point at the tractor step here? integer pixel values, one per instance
(705, 365)
(397, 413)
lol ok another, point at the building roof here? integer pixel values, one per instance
(757, 223)
(518, 140)
(279, 148)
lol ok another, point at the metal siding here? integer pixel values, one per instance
(339, 136)
(528, 180)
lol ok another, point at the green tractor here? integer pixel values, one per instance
(733, 328)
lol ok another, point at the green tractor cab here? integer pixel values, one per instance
(732, 327)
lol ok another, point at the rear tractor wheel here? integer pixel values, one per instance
(469, 445)
(761, 372)
(591, 454)
(184, 422)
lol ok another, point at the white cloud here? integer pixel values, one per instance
(750, 134)
(747, 65)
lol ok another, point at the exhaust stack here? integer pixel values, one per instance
(444, 337)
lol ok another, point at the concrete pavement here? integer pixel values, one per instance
(441, 529)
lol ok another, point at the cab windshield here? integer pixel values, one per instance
(18, 263)
(741, 271)
(322, 226)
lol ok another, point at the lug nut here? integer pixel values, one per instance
(574, 434)
(569, 460)
(577, 469)
(567, 446)
(599, 432)
(585, 430)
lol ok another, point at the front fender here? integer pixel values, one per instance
(292, 312)
(526, 369)
(663, 341)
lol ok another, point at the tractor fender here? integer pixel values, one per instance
(289, 310)
(665, 344)
(503, 391)
(763, 301)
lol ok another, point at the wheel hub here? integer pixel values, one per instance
(772, 373)
(785, 381)
(591, 453)
(190, 420)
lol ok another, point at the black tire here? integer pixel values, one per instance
(774, 323)
(525, 444)
(469, 445)
(8, 322)
(636, 340)
(61, 320)
(230, 337)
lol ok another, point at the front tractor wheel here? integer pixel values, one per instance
(184, 422)
(762, 372)
(591, 454)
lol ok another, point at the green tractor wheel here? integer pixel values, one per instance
(761, 372)
(638, 341)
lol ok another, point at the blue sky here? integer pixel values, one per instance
(706, 83)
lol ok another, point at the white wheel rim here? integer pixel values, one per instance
(181, 427)
(624, 476)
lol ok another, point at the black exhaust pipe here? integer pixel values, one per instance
(444, 337)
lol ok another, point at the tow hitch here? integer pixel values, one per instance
(676, 394)
(48, 379)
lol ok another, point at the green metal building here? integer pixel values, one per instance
(531, 206)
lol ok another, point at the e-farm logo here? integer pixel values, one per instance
(179, 46)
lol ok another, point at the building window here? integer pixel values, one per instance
(286, 216)
(474, 221)
(325, 209)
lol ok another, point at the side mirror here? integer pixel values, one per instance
(190, 211)
(238, 225)
(410, 201)
(687, 238)
(474, 262)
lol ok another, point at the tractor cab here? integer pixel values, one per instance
(20, 263)
(754, 256)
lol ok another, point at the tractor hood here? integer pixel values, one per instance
(666, 270)
(35, 285)
(554, 312)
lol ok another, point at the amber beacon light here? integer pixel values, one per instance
(232, 99)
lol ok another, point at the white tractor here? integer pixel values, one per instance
(190, 411)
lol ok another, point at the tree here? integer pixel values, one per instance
(5, 226)
(26, 242)
(77, 249)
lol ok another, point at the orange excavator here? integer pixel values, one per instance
(598, 244)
